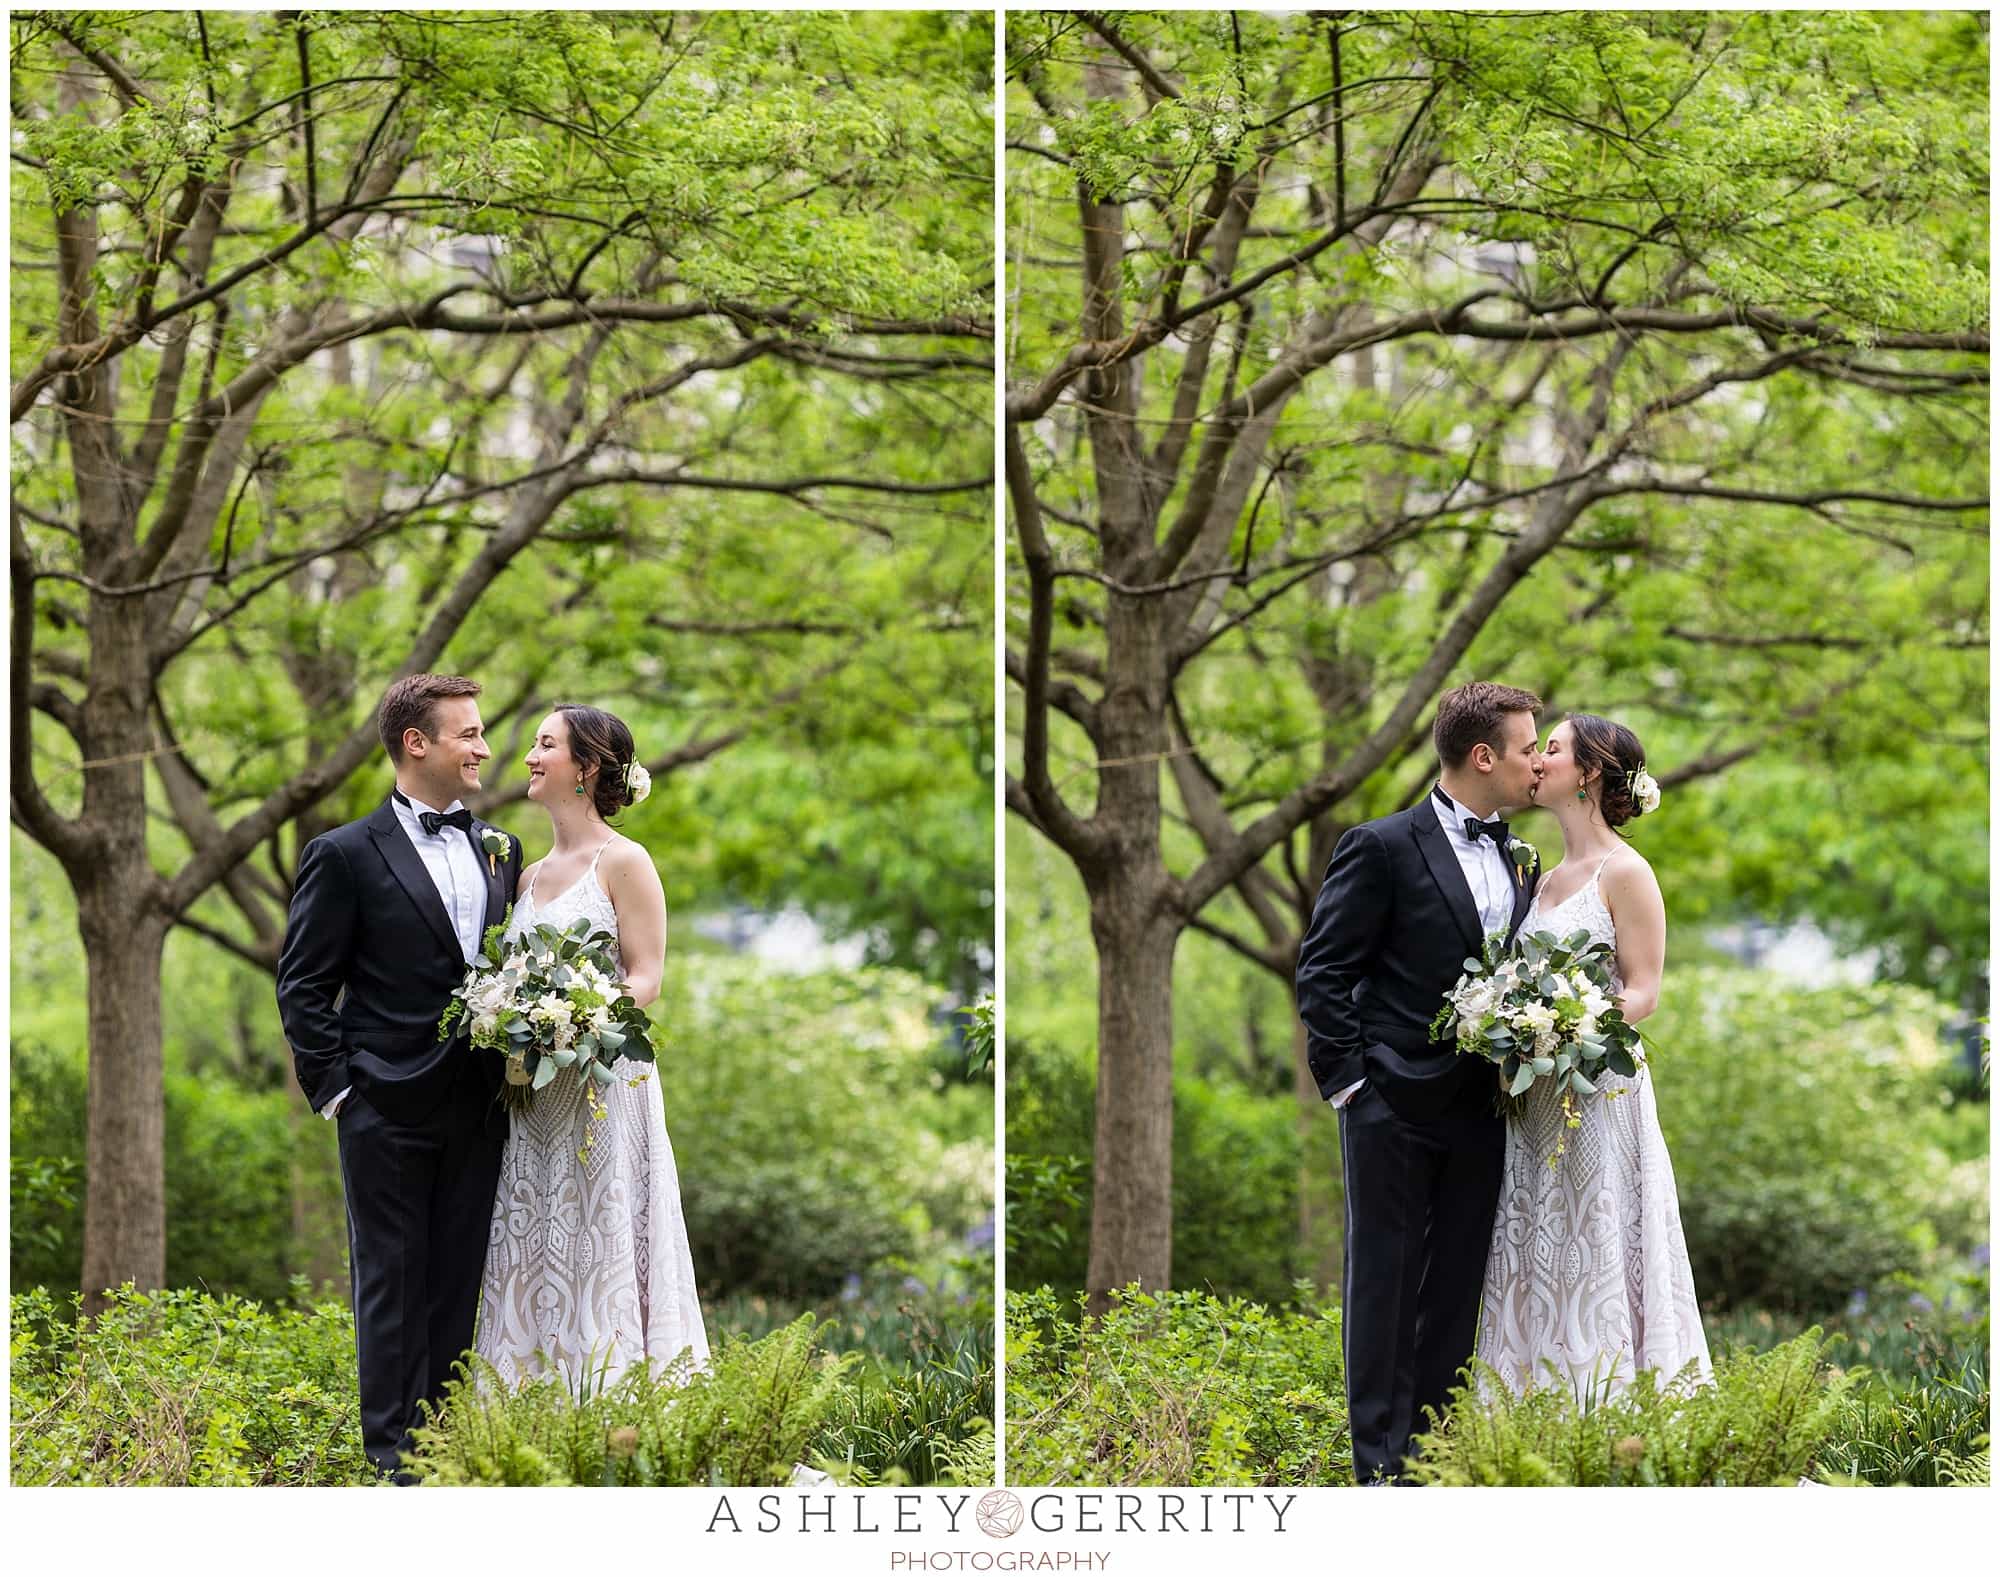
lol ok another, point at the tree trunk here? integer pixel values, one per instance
(125, 1204)
(1132, 1213)
(121, 913)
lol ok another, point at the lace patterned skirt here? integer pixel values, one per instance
(587, 1263)
(1587, 1281)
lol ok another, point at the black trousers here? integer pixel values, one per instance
(419, 1209)
(1420, 1202)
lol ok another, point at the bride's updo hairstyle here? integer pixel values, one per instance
(600, 739)
(1614, 750)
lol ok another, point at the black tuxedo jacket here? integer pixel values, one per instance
(1390, 934)
(370, 961)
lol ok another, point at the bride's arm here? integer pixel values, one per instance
(641, 903)
(1632, 894)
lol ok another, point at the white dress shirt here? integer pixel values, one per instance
(1487, 872)
(454, 869)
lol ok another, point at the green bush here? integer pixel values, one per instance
(1174, 1388)
(930, 1422)
(814, 1135)
(1935, 1431)
(1808, 1138)
(1236, 1160)
(243, 1169)
(1760, 1423)
(183, 1388)
(747, 1419)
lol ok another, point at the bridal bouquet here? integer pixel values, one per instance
(1542, 1009)
(550, 1002)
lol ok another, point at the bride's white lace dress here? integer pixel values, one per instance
(1588, 1272)
(587, 1264)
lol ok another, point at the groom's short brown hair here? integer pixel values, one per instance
(412, 703)
(1473, 714)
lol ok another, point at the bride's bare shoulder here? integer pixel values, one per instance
(1626, 874)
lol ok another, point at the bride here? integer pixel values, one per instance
(1587, 1279)
(587, 1264)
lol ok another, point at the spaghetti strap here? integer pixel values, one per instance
(600, 852)
(1602, 863)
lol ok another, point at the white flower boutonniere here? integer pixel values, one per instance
(1645, 791)
(1522, 853)
(638, 782)
(494, 842)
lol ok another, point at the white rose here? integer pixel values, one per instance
(1538, 1017)
(1646, 792)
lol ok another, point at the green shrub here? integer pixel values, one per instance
(1932, 1428)
(747, 1419)
(1760, 1423)
(815, 1138)
(183, 1388)
(928, 1423)
(1807, 1137)
(1174, 1388)
(1903, 1332)
(814, 1135)
(1235, 1185)
(244, 1169)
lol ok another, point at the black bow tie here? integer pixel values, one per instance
(1475, 829)
(432, 820)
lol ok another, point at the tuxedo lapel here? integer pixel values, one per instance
(494, 870)
(410, 874)
(1445, 871)
(1524, 895)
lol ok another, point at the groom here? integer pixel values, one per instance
(386, 913)
(1407, 899)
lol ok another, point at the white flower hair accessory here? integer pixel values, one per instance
(638, 782)
(1645, 791)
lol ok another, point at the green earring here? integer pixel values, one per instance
(1580, 793)
(579, 785)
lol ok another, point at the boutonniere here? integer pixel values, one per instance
(494, 842)
(1522, 853)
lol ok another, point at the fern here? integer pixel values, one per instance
(1759, 1423)
(746, 1419)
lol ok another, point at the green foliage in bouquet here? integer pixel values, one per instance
(1762, 1422)
(1813, 1138)
(1174, 1388)
(1542, 1009)
(747, 1419)
(506, 995)
(180, 1387)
